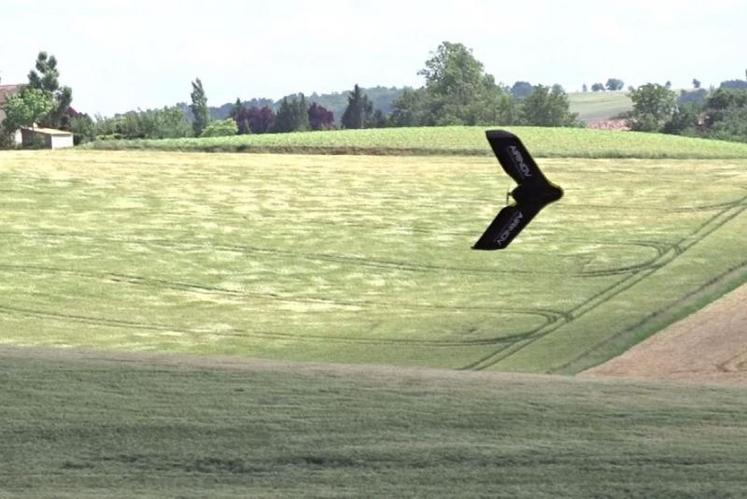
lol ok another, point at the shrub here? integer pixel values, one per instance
(221, 128)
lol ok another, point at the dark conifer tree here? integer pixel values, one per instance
(199, 107)
(359, 112)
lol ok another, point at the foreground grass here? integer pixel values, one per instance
(92, 428)
(358, 259)
(543, 142)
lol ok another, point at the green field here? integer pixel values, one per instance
(92, 428)
(440, 141)
(359, 258)
(138, 288)
(597, 106)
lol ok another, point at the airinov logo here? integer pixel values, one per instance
(519, 161)
(506, 233)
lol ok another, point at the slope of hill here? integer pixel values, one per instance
(359, 258)
(599, 106)
(97, 425)
(590, 106)
(708, 346)
(453, 140)
(114, 264)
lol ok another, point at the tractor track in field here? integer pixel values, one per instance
(353, 259)
(158, 283)
(661, 248)
(709, 226)
(248, 249)
(509, 344)
(239, 333)
(739, 268)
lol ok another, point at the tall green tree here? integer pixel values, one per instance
(240, 116)
(409, 109)
(522, 89)
(725, 114)
(83, 128)
(457, 92)
(26, 108)
(653, 106)
(452, 71)
(284, 117)
(293, 115)
(301, 114)
(199, 107)
(546, 107)
(614, 84)
(45, 78)
(359, 112)
(458, 89)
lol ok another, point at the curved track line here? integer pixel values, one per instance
(166, 328)
(136, 280)
(705, 229)
(317, 257)
(356, 260)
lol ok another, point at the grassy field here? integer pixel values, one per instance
(135, 287)
(597, 106)
(359, 258)
(92, 428)
(543, 142)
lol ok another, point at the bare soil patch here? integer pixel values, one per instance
(708, 346)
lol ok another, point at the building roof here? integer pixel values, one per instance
(46, 131)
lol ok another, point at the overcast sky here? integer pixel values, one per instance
(123, 54)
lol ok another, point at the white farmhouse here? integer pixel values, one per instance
(50, 138)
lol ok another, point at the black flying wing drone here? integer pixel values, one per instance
(533, 193)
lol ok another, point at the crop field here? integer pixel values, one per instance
(596, 106)
(440, 141)
(358, 259)
(93, 428)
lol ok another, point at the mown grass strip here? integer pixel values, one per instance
(97, 425)
(464, 141)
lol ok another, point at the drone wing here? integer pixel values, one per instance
(506, 226)
(514, 157)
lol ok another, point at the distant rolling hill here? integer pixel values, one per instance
(590, 106)
(599, 106)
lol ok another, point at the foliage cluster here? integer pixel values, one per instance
(718, 114)
(44, 102)
(458, 91)
(166, 123)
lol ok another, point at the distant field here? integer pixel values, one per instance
(597, 106)
(543, 142)
(125, 428)
(358, 258)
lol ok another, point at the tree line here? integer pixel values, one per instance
(457, 91)
(717, 113)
